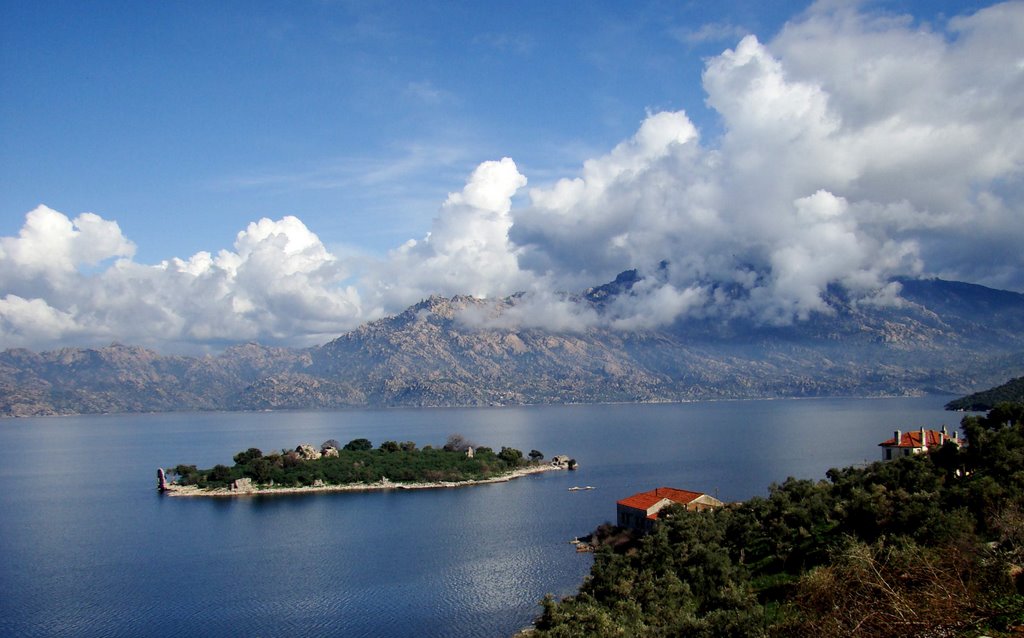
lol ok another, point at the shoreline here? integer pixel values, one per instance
(459, 406)
(383, 484)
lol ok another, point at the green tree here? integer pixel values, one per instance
(187, 474)
(220, 474)
(536, 455)
(245, 457)
(260, 470)
(923, 543)
(511, 456)
(359, 445)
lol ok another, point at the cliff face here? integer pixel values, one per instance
(945, 336)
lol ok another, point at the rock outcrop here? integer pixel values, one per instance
(242, 485)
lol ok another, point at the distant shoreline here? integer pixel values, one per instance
(383, 484)
(469, 406)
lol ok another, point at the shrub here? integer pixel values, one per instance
(219, 474)
(244, 457)
(359, 445)
(511, 456)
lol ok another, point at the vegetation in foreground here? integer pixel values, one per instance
(927, 545)
(359, 462)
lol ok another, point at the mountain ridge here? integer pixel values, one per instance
(942, 337)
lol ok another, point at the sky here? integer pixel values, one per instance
(188, 175)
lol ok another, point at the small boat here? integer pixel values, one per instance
(577, 488)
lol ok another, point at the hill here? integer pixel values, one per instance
(924, 545)
(1010, 392)
(943, 337)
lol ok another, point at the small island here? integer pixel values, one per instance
(357, 466)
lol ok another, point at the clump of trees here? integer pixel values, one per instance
(359, 462)
(359, 445)
(919, 546)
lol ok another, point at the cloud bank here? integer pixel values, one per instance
(855, 147)
(72, 281)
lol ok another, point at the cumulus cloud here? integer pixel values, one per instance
(855, 146)
(51, 246)
(278, 284)
(467, 250)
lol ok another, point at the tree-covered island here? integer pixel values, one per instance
(357, 465)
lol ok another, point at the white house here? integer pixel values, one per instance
(916, 442)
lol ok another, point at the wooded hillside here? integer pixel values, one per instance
(926, 545)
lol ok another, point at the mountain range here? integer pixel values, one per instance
(943, 337)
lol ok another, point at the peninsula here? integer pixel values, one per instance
(357, 466)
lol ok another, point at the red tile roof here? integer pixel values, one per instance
(644, 500)
(913, 439)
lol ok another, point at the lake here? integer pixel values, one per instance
(89, 548)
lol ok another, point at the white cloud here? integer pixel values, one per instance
(34, 320)
(467, 250)
(539, 309)
(278, 284)
(587, 227)
(655, 306)
(855, 146)
(50, 244)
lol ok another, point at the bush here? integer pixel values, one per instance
(359, 445)
(260, 470)
(511, 456)
(219, 474)
(244, 457)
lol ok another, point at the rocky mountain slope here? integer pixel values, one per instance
(946, 337)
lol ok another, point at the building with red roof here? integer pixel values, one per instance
(640, 511)
(916, 442)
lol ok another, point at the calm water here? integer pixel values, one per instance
(88, 548)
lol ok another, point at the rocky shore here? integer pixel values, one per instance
(251, 489)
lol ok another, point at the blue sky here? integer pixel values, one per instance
(184, 122)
